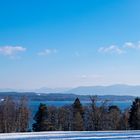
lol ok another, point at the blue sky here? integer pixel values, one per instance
(69, 43)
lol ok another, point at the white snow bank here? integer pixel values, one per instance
(60, 135)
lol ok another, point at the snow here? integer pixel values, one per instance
(85, 135)
(1, 100)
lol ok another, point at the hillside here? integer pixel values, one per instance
(62, 97)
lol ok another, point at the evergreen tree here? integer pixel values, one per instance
(41, 118)
(78, 115)
(77, 107)
(134, 119)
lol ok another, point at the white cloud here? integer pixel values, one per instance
(120, 49)
(47, 52)
(129, 45)
(111, 49)
(11, 50)
(93, 76)
(132, 45)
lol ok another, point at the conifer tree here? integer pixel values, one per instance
(41, 118)
(77, 107)
(134, 119)
(78, 116)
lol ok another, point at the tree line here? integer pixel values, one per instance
(77, 117)
(15, 116)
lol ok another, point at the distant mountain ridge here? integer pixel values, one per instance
(39, 90)
(87, 90)
(107, 90)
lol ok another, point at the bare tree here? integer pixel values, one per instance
(23, 114)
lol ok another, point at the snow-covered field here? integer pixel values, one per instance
(106, 135)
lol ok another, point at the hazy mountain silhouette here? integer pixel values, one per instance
(107, 90)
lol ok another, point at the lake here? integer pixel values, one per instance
(121, 104)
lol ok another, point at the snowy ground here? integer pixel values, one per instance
(106, 135)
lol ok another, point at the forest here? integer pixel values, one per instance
(15, 116)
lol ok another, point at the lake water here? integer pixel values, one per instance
(34, 104)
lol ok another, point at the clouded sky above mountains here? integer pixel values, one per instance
(69, 43)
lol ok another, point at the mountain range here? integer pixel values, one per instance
(107, 90)
(87, 90)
